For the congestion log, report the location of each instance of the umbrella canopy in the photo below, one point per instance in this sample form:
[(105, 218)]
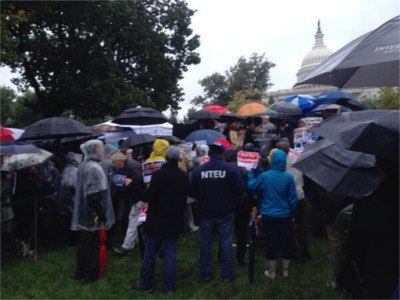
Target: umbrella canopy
[(81, 138), (283, 108), (304, 102), (230, 117), (204, 115), (370, 131), (140, 116), (138, 139), (10, 134), (251, 109), (171, 139), (370, 60), (330, 108), (17, 147), (204, 136), (332, 96), (22, 161), (53, 128), (340, 172), (218, 109)]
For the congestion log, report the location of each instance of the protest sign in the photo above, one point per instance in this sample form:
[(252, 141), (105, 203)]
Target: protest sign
[(247, 159), (150, 167)]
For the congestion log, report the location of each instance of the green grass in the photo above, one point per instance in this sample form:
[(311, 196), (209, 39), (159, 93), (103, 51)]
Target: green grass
[(51, 277)]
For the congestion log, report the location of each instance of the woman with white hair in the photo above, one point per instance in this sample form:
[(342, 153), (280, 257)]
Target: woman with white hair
[(92, 208)]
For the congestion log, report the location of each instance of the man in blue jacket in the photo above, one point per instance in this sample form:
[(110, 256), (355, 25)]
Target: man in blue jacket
[(278, 208), (216, 185)]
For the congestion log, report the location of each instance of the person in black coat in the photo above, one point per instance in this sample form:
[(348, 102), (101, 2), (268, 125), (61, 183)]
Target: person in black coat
[(166, 196)]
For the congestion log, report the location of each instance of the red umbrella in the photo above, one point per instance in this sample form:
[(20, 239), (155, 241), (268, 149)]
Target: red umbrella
[(218, 109), (10, 134), (102, 252)]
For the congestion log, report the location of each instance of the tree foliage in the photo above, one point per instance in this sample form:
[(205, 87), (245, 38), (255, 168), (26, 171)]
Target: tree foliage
[(190, 112), (247, 74), (389, 98), (97, 58), (7, 97), (243, 97)]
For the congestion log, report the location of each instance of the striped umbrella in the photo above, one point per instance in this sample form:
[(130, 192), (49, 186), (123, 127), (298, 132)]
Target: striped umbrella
[(305, 102)]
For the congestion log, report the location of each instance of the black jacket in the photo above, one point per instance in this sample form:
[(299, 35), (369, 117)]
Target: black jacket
[(166, 196)]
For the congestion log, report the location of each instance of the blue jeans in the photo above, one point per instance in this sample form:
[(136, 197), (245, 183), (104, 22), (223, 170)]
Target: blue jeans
[(223, 226), (153, 244), (278, 232)]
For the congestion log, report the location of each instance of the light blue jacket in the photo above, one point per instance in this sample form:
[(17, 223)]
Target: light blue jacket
[(279, 198)]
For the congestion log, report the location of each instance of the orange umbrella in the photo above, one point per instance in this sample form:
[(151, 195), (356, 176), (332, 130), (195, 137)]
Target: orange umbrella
[(251, 109)]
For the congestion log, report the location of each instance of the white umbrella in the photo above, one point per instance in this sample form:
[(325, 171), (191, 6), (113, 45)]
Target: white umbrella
[(25, 160)]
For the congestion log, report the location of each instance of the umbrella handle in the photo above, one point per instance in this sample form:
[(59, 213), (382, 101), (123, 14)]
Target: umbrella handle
[(254, 213), (102, 223)]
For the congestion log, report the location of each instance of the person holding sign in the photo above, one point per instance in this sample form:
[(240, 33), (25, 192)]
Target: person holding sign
[(166, 196)]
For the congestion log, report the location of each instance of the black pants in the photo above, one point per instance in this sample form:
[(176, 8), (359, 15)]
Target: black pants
[(302, 227), (87, 256), (242, 217)]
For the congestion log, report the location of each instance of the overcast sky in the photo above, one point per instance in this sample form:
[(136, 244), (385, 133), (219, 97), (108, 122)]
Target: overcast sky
[(284, 30)]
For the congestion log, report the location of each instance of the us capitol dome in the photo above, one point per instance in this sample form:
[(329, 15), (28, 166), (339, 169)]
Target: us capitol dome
[(316, 56), (311, 60)]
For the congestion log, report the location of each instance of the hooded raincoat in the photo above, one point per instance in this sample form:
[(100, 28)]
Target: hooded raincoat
[(156, 159), (92, 195), (279, 198)]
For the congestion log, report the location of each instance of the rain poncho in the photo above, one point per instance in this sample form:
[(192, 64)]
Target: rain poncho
[(91, 181), (68, 184), (201, 151)]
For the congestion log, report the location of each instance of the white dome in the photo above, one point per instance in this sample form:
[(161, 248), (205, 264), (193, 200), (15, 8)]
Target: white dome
[(316, 56)]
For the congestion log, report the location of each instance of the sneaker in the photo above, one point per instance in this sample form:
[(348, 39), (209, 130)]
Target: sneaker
[(141, 288), (285, 273), (270, 275), (123, 251)]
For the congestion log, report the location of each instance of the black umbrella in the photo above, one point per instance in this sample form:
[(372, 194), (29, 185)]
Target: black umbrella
[(80, 138), (369, 131), (54, 128), (17, 147), (230, 117), (204, 115), (140, 116), (339, 97), (252, 244), (138, 139), (339, 171), (370, 60), (171, 139)]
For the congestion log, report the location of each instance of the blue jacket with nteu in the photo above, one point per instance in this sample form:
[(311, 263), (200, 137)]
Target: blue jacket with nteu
[(279, 198)]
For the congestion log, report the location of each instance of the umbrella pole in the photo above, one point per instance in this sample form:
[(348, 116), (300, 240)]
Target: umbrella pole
[(35, 229)]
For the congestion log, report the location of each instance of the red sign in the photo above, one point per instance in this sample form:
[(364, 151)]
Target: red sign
[(247, 159)]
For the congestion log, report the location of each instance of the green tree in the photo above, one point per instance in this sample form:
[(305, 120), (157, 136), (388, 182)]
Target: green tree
[(21, 113), (7, 96), (271, 100), (389, 98), (370, 103), (243, 97), (173, 117), (252, 73), (190, 112), (97, 58)]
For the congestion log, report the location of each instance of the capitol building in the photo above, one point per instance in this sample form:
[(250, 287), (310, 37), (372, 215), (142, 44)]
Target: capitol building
[(312, 59)]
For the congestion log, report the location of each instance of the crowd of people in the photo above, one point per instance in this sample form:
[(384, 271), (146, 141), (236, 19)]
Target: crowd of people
[(180, 191)]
